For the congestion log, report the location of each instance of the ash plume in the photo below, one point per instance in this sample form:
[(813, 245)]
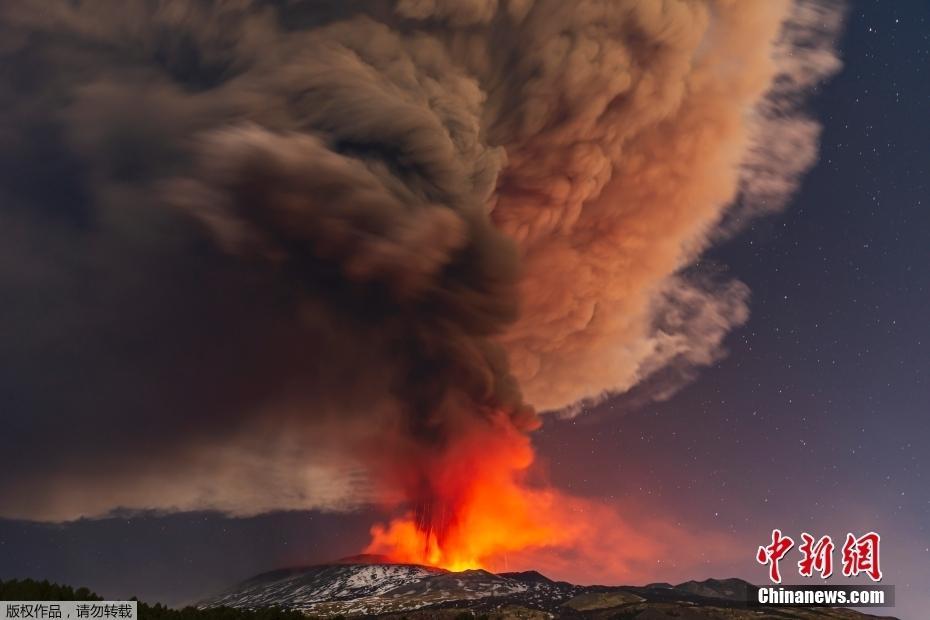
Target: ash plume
[(263, 255)]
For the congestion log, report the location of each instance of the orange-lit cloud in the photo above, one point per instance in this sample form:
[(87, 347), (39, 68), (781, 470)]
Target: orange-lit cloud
[(283, 258)]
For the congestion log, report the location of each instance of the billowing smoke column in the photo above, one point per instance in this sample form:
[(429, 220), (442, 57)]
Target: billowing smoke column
[(291, 255)]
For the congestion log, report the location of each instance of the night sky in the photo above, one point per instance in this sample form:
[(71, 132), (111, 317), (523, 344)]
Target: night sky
[(817, 420)]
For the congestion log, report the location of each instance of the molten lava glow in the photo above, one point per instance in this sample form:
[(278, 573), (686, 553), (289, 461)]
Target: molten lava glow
[(474, 507), (494, 516)]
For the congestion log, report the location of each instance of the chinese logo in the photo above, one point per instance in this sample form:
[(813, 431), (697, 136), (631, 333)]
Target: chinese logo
[(859, 555)]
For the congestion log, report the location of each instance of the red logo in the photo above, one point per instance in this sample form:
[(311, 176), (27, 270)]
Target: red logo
[(772, 554), (860, 555), (817, 556)]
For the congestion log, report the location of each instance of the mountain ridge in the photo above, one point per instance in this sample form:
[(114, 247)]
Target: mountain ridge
[(373, 589)]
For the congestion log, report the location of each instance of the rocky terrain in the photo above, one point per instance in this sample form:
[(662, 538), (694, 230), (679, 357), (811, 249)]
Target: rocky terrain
[(367, 587)]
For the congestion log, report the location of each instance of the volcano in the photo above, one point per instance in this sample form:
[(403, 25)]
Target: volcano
[(367, 586)]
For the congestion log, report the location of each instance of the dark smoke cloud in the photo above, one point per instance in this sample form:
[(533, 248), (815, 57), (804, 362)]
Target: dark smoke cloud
[(252, 252)]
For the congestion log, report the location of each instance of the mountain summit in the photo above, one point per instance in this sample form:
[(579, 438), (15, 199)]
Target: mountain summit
[(369, 587)]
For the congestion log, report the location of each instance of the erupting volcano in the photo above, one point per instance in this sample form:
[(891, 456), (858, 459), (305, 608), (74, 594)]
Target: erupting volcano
[(473, 505), (381, 236)]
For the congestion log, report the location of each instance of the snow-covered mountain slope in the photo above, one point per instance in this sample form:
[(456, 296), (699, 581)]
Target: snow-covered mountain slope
[(304, 588), (347, 588), (358, 587)]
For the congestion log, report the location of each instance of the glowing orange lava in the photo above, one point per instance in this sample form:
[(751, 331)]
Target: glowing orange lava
[(476, 508)]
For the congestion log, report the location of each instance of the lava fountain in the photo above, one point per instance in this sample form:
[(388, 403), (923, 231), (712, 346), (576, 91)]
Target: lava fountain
[(472, 505), (479, 502)]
